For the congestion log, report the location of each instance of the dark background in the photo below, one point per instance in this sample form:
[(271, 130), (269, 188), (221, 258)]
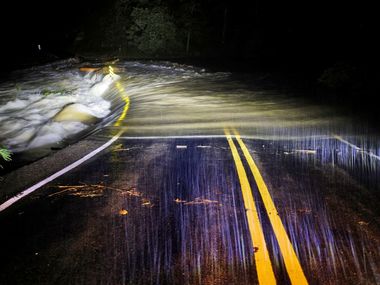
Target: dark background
[(329, 45), (296, 31)]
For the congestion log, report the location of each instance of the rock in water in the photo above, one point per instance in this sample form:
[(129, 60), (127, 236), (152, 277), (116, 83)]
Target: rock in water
[(76, 113)]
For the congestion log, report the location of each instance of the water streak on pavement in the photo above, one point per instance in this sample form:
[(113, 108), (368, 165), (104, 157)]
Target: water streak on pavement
[(164, 204)]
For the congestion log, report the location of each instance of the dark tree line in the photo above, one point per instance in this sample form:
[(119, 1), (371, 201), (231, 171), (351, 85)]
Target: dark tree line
[(303, 31), (320, 32), (164, 28)]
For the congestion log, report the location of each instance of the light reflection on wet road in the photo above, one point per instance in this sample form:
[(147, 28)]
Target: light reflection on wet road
[(170, 210), (185, 220)]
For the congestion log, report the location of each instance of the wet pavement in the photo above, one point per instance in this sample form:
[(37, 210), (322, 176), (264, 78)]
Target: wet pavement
[(171, 211), (181, 198)]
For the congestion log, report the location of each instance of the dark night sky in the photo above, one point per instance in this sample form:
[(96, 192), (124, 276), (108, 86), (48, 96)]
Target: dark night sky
[(308, 30), (47, 20)]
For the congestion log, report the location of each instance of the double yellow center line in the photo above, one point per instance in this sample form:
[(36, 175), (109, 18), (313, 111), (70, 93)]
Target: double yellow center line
[(262, 259)]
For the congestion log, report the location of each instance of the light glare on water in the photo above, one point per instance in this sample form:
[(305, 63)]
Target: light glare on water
[(48, 104)]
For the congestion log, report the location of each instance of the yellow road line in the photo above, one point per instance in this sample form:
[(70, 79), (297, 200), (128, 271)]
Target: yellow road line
[(126, 106), (292, 264), (262, 258)]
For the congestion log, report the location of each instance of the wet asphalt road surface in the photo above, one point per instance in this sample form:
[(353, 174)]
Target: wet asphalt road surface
[(171, 211)]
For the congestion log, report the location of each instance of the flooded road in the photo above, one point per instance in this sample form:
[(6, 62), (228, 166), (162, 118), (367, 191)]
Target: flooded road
[(210, 178)]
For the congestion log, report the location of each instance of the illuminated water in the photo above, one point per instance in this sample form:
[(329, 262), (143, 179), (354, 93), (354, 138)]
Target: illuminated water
[(176, 100), (166, 100), (172, 100), (42, 106)]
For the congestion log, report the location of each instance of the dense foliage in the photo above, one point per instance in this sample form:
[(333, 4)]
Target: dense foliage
[(152, 30)]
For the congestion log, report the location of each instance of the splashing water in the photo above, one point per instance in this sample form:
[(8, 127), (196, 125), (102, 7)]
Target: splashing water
[(48, 105)]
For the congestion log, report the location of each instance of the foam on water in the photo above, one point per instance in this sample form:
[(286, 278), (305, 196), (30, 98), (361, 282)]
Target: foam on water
[(46, 105)]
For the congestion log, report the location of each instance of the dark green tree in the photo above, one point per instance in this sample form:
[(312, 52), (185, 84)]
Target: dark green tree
[(152, 31)]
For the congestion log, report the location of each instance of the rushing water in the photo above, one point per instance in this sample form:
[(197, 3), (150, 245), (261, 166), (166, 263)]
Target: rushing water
[(42, 106), (175, 100), (166, 98), (45, 107)]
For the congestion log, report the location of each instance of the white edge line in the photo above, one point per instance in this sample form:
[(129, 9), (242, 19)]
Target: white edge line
[(43, 182), (33, 188), (215, 136), (171, 137), (370, 154)]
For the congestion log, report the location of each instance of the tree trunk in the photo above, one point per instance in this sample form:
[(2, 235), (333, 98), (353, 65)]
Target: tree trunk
[(188, 42)]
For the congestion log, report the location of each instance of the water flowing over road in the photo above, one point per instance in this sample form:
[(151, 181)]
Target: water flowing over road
[(164, 173)]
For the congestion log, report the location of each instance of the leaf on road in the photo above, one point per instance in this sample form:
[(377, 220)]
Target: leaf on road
[(123, 212)]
